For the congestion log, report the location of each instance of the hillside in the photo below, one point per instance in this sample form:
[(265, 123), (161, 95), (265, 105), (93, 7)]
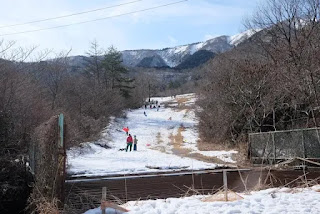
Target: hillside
[(175, 57)]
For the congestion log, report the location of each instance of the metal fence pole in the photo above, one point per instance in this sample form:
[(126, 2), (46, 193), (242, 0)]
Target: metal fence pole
[(225, 185), (104, 198), (61, 156)]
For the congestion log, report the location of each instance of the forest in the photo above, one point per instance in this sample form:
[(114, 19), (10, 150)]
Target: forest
[(268, 82)]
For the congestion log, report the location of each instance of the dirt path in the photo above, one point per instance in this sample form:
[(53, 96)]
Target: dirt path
[(177, 140)]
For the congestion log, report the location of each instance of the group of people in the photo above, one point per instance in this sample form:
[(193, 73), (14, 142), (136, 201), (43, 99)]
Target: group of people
[(131, 141), (153, 105)]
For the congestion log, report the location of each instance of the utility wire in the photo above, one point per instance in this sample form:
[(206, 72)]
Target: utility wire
[(73, 14), (94, 20)]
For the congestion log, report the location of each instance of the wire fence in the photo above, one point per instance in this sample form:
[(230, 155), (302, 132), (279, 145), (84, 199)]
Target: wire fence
[(85, 195), (280, 145)]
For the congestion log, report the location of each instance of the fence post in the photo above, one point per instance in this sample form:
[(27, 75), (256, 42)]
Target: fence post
[(61, 156), (303, 145), (104, 198), (61, 135), (274, 148), (225, 184)]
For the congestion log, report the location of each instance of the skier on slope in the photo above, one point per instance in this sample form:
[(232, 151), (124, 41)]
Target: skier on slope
[(129, 143), (135, 141)]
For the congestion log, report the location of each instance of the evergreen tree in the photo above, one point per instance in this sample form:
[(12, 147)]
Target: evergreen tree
[(115, 74)]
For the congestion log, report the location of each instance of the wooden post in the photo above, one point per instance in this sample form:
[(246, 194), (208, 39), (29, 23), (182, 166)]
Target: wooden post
[(104, 198), (225, 184)]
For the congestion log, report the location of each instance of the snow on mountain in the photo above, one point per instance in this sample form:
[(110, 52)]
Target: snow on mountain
[(176, 55), (172, 57), (238, 38)]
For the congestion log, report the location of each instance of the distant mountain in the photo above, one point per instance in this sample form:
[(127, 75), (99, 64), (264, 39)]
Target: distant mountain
[(176, 57), (196, 59), (152, 62)]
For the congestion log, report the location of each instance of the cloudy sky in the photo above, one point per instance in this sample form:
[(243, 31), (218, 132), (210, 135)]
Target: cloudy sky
[(177, 24)]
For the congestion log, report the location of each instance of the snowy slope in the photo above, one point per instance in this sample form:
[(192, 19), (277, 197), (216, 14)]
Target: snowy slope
[(174, 56), (270, 201), (166, 140), (238, 38)]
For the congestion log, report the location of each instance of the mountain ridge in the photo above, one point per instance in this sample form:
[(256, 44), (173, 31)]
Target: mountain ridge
[(172, 57)]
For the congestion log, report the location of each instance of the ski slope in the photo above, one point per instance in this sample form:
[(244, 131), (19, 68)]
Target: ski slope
[(167, 141)]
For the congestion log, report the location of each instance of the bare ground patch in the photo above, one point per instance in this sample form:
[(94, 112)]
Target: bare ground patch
[(179, 104), (207, 159), (177, 142), (159, 146)]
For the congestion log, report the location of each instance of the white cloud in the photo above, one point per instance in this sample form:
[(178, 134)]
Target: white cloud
[(172, 40)]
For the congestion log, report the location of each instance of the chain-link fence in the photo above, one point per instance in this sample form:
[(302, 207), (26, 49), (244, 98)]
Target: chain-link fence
[(280, 145)]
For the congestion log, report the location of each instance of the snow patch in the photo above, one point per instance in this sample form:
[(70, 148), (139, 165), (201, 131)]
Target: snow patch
[(238, 38), (270, 201)]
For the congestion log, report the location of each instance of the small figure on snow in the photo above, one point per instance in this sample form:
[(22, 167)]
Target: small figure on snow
[(145, 114), (129, 143), (126, 130), (135, 141)]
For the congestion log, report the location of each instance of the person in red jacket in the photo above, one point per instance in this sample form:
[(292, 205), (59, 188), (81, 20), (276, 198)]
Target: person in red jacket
[(129, 143)]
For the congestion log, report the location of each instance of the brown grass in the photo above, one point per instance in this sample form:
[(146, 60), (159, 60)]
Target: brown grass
[(177, 142), (182, 100)]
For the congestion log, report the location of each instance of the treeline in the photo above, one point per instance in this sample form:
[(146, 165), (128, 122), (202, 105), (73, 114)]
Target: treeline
[(31, 92), (34, 90), (270, 82)]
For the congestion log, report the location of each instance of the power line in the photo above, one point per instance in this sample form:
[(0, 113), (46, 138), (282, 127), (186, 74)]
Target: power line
[(73, 14), (94, 20)]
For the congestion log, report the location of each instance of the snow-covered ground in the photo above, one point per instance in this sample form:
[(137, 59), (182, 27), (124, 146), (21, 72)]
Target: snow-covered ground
[(270, 201), (167, 140)]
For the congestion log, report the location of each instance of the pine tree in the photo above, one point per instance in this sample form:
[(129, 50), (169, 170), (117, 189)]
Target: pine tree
[(115, 74)]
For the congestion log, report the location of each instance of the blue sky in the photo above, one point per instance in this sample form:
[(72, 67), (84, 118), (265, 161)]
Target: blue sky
[(183, 23)]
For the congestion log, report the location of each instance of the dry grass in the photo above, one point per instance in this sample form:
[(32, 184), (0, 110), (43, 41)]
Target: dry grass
[(182, 100), (205, 146), (42, 205), (177, 142), (220, 196), (207, 159)]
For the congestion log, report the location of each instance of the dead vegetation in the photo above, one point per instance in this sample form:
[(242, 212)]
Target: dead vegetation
[(269, 82)]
